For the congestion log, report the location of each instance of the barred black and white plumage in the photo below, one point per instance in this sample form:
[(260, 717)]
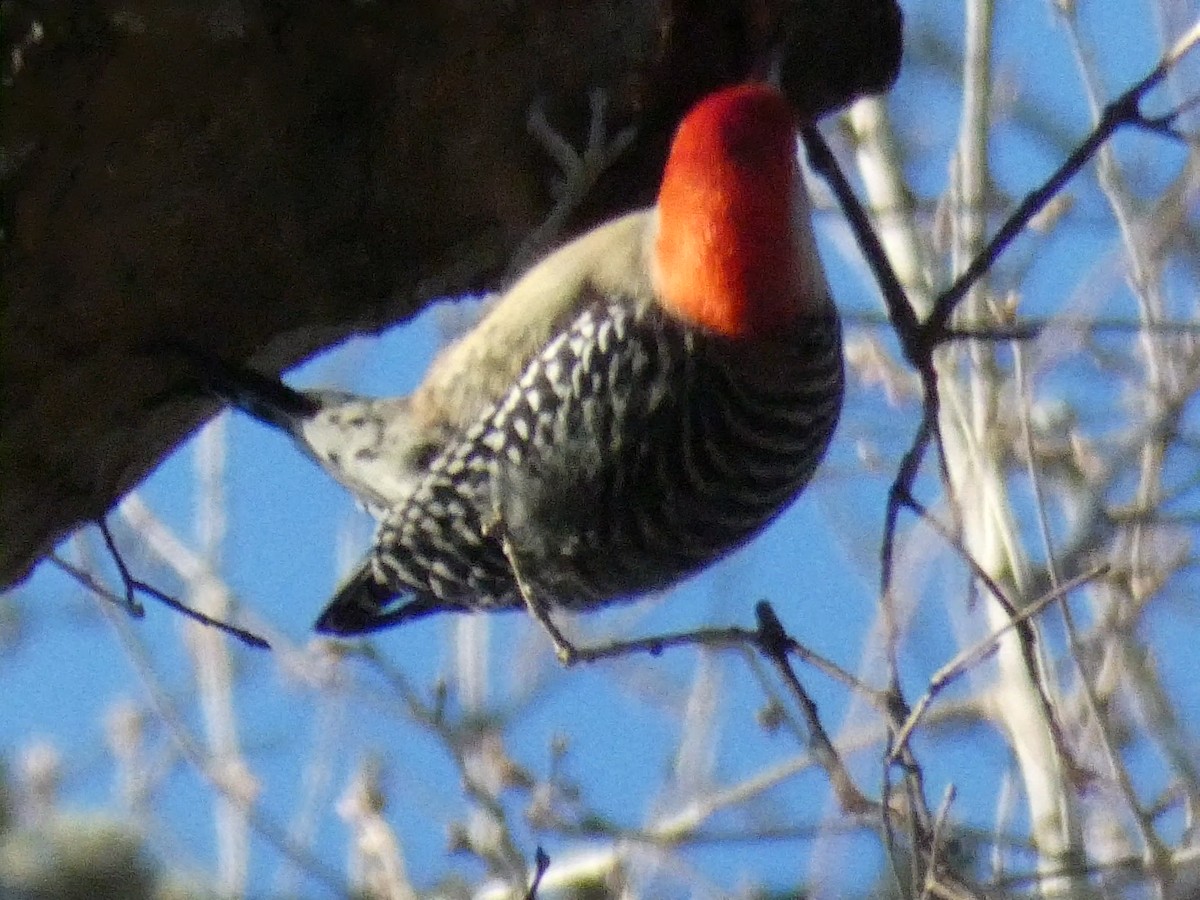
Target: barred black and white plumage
[(630, 453)]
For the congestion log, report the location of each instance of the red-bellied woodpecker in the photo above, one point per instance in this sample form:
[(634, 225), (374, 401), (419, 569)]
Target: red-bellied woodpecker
[(638, 404)]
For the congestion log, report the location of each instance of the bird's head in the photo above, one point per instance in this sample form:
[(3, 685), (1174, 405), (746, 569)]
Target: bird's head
[(734, 251)]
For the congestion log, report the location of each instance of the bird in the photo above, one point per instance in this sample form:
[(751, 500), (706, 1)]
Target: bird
[(637, 405)]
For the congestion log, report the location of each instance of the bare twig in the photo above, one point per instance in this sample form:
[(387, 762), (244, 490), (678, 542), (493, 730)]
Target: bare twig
[(210, 769), (1124, 111), (972, 656), (541, 863), (132, 586)]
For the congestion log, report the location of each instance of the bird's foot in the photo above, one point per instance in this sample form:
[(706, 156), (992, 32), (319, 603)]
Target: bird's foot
[(564, 650)]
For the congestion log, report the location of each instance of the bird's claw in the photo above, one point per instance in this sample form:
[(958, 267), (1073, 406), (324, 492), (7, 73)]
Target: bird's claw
[(566, 653)]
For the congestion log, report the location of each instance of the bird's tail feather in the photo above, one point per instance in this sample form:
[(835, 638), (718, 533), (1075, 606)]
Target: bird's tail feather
[(362, 605), (267, 399)]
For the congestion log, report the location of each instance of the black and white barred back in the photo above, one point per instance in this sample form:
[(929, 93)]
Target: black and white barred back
[(630, 453)]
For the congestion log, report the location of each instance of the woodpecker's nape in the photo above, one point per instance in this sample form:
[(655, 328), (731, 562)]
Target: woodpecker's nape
[(640, 403)]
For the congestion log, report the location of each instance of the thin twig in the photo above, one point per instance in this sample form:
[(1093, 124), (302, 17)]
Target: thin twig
[(775, 643), (1123, 111), (900, 310), (972, 656), (133, 585), (541, 863), (1032, 327), (458, 739), (209, 769), (935, 842)]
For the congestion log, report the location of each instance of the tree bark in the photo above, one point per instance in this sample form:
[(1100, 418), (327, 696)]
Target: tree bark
[(264, 179)]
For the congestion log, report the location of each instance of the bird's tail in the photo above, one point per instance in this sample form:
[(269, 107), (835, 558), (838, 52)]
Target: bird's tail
[(363, 604), (267, 399)]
